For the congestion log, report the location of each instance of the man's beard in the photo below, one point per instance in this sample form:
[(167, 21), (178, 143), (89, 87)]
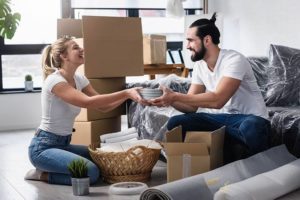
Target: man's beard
[(199, 55)]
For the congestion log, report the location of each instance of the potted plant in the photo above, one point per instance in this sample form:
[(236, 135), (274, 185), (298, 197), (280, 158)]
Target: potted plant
[(80, 180), (9, 21), (28, 83)]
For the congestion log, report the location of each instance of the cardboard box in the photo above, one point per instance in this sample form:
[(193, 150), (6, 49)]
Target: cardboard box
[(113, 45), (72, 27), (200, 152), (155, 48), (87, 133), (104, 86)]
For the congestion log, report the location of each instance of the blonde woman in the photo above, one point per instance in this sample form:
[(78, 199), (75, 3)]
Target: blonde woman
[(64, 93)]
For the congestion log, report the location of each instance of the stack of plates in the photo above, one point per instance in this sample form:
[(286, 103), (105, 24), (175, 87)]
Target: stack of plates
[(126, 190), (148, 93)]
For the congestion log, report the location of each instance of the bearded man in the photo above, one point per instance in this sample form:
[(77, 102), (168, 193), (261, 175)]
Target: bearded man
[(223, 92)]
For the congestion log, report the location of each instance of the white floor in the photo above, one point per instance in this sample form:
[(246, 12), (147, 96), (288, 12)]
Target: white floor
[(14, 163)]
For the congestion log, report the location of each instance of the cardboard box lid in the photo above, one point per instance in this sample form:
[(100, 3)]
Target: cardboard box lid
[(72, 27), (174, 135)]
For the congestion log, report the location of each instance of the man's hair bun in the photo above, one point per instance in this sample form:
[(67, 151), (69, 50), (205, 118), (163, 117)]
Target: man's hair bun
[(213, 18)]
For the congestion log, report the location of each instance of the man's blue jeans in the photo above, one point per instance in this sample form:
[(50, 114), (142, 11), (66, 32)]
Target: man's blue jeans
[(250, 131), (52, 153)]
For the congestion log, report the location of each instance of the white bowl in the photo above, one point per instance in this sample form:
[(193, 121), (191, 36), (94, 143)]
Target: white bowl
[(149, 93)]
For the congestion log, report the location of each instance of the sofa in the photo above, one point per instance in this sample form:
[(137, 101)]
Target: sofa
[(278, 77)]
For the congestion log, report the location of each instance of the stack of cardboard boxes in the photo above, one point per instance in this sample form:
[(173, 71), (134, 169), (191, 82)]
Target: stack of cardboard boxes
[(113, 50)]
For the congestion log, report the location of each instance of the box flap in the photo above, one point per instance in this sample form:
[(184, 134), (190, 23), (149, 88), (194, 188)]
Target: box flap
[(216, 149), (208, 137), (72, 27), (174, 135), (175, 148), (198, 136), (214, 141)]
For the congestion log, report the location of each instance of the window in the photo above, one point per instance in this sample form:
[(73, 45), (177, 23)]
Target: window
[(13, 74), (78, 13), (22, 54)]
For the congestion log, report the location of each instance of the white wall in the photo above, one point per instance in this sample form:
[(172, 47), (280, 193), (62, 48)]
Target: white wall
[(20, 111), (250, 26)]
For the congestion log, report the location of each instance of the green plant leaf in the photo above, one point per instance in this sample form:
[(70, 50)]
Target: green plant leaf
[(78, 168), (9, 21)]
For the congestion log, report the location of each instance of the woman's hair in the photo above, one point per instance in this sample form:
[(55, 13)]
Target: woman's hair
[(207, 27), (51, 59)]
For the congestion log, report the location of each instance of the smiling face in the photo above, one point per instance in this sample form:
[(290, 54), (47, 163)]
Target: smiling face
[(195, 45), (74, 53)]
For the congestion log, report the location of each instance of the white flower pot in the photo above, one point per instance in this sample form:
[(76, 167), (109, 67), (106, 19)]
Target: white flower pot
[(28, 86), (81, 186)]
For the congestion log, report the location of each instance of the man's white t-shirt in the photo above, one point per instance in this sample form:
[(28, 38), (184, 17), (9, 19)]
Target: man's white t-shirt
[(247, 99), (57, 115)]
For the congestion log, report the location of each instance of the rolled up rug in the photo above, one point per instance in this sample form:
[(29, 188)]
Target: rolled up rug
[(265, 186), (186, 189), (204, 186)]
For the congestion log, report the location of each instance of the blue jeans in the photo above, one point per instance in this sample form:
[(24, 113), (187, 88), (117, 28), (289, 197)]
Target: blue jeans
[(250, 131), (52, 153)]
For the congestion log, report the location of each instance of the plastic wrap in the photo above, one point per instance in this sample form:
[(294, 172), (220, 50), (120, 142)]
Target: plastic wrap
[(284, 77), (285, 123), (260, 69), (151, 121)]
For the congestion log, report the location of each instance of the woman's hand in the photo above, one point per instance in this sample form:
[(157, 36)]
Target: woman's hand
[(165, 100), (135, 96)]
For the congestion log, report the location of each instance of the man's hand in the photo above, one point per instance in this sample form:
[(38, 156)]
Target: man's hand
[(165, 100)]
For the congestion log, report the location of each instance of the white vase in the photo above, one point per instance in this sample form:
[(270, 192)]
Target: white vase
[(28, 86), (81, 186)]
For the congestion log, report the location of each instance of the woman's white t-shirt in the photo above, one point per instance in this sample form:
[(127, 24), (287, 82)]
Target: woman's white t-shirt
[(57, 115), (247, 99)]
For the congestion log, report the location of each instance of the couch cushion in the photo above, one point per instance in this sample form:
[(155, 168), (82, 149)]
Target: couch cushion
[(284, 76)]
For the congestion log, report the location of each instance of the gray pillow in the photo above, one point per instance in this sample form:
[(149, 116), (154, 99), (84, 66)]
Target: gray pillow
[(283, 88)]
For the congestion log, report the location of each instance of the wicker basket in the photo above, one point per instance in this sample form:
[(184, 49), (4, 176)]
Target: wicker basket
[(133, 165)]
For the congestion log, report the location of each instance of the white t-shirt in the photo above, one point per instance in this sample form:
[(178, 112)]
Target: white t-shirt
[(57, 115), (247, 99)]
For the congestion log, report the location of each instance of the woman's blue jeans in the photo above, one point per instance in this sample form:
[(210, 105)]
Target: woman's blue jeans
[(250, 131), (52, 153)]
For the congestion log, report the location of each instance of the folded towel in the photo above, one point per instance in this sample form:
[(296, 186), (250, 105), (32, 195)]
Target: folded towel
[(124, 146), (130, 140), (117, 134), (121, 138)]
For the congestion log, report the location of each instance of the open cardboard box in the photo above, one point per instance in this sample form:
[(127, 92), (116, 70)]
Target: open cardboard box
[(200, 152), (113, 45)]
